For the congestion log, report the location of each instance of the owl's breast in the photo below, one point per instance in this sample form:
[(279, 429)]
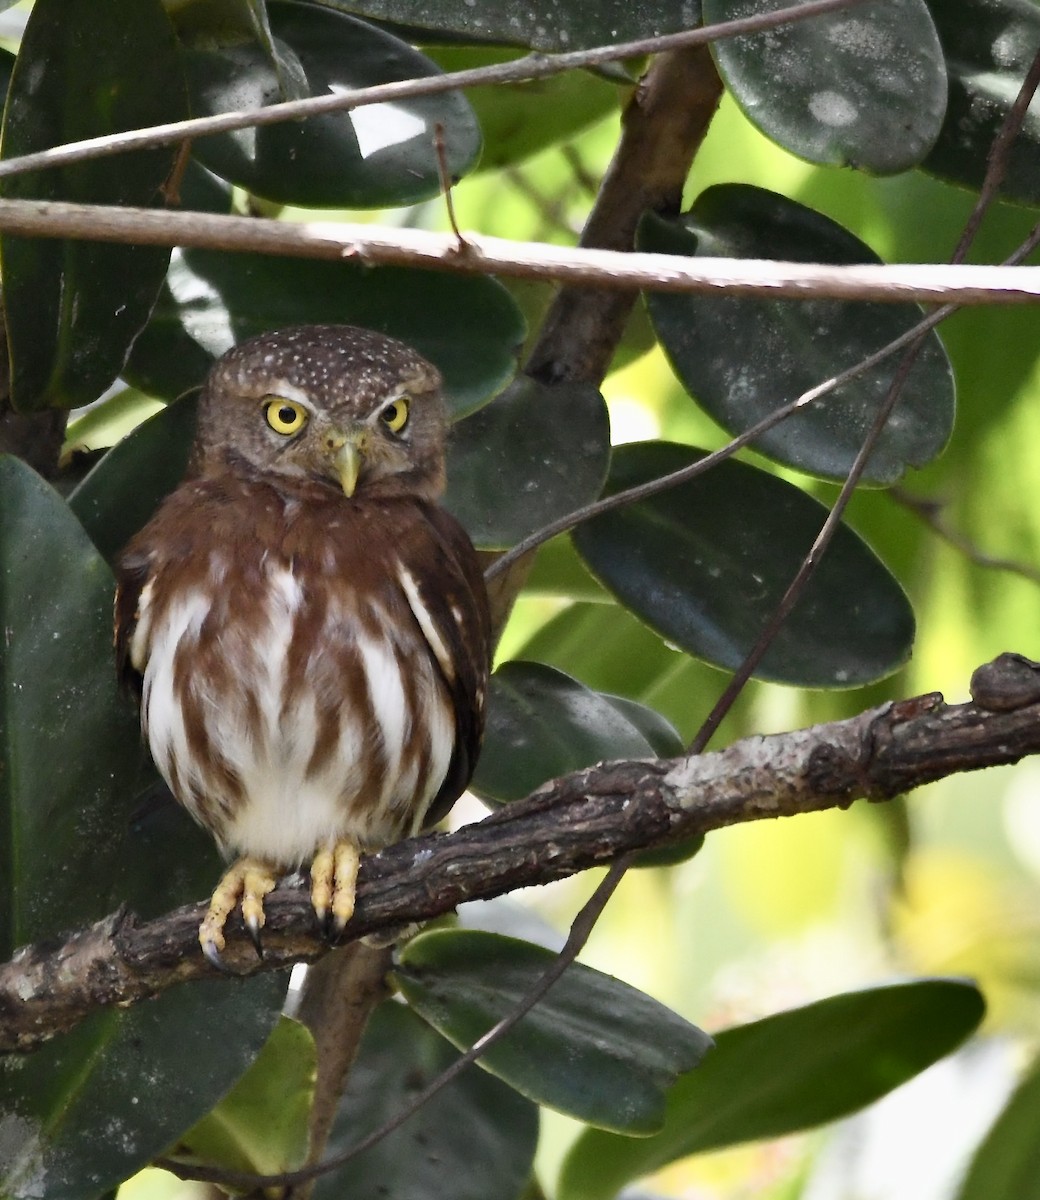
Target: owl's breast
[(293, 699)]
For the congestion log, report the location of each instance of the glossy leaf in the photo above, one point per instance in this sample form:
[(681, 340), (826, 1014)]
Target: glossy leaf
[(124, 489), (705, 564), (542, 24), (862, 88), (543, 724), (989, 46), (594, 1048), (533, 454), (743, 358), (475, 1141), (93, 1107), (1006, 1165), (372, 156), (786, 1073), (520, 119), (68, 741), (73, 308), (469, 327), (261, 1124)]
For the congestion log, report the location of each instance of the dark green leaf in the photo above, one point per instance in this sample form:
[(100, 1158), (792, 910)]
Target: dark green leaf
[(469, 327), (660, 733), (542, 24), (372, 156), (543, 724), (989, 45), (789, 1072), (68, 740), (261, 1124), (78, 1115), (123, 490), (863, 88), (475, 1141), (1006, 1166), (594, 1047), (533, 454), (93, 1107), (73, 308), (744, 358), (706, 563), (519, 119), (6, 63)]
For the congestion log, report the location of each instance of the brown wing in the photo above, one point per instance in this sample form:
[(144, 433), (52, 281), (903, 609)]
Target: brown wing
[(452, 596), (131, 577)]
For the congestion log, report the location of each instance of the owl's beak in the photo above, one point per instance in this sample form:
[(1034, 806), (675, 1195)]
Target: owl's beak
[(346, 452)]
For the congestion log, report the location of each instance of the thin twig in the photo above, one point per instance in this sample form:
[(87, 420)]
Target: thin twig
[(522, 70), (930, 512), (996, 168)]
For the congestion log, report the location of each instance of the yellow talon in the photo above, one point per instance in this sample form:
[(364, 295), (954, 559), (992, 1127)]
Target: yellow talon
[(334, 872), (248, 880)]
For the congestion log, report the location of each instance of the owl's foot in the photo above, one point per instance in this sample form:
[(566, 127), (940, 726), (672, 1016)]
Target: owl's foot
[(248, 880), (334, 872)]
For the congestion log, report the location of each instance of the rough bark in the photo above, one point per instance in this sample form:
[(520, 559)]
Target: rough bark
[(579, 821)]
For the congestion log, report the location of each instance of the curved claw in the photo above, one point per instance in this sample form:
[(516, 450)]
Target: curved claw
[(334, 872), (248, 880), (212, 953), (253, 926)]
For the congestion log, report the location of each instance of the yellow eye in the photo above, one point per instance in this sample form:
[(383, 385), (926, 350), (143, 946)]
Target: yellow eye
[(395, 415), (285, 416)]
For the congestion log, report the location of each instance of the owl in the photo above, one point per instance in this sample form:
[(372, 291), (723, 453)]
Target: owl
[(306, 628)]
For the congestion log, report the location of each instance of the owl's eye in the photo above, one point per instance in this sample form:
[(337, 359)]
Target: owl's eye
[(285, 416), (395, 415)]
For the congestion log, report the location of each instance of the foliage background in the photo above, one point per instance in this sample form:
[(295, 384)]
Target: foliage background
[(773, 916)]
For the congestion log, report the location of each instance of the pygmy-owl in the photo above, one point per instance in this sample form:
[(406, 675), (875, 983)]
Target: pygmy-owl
[(307, 628)]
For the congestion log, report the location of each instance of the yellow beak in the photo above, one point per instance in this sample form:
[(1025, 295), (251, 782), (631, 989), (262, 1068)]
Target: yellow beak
[(346, 453)]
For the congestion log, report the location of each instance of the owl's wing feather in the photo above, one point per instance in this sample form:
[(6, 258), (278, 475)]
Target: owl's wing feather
[(132, 577), (449, 601)]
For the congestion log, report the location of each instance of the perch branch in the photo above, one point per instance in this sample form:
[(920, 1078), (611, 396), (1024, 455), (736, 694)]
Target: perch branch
[(585, 819)]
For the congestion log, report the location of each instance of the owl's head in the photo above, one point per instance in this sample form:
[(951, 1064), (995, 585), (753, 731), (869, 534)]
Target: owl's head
[(345, 406)]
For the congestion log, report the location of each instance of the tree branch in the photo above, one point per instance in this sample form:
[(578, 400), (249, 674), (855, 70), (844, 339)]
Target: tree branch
[(612, 269), (582, 820)]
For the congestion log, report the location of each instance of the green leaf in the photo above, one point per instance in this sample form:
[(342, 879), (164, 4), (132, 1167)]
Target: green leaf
[(124, 489), (1006, 1166), (69, 742), (989, 47), (744, 358), (475, 1141), (76, 1114), (786, 1073), (73, 308), (261, 1125), (594, 1048), (543, 724), (863, 88), (520, 119), (541, 24), (93, 1107), (533, 454), (374, 156), (705, 564), (469, 327)]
